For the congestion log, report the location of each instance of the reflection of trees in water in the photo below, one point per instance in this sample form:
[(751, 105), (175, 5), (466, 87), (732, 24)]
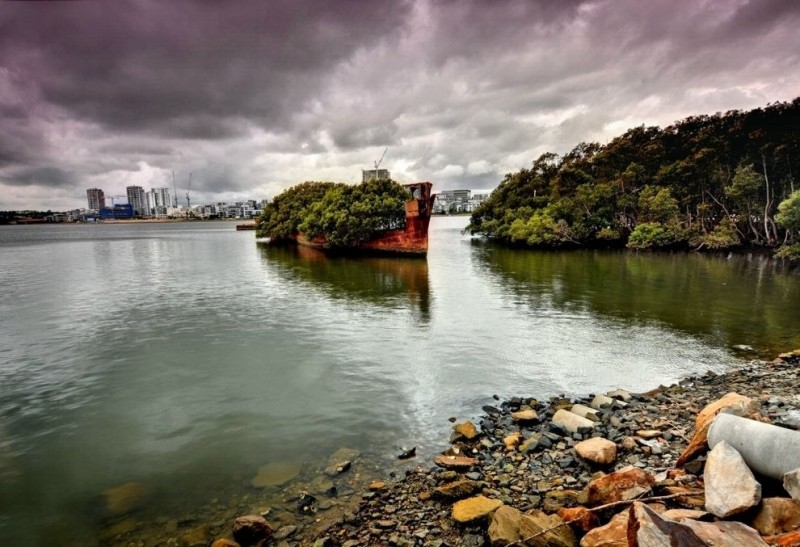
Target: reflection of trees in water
[(379, 281), (739, 300)]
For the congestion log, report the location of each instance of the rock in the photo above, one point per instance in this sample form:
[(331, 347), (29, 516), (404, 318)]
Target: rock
[(648, 433), (377, 485), (125, 498), (601, 401), (725, 534), (679, 514), (613, 534), (620, 394), (792, 539), (571, 422), (597, 450), (512, 441), (458, 489), (525, 416), (504, 526), (532, 443), (466, 430), (455, 462), (475, 508), (626, 484), (284, 532), (579, 518), (777, 516), (224, 542), (731, 402), (251, 530), (730, 486), (791, 483), (585, 412), (646, 528), (406, 454), (532, 526), (691, 497), (276, 474)]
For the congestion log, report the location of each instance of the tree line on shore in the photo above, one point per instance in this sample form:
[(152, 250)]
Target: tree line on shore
[(711, 182)]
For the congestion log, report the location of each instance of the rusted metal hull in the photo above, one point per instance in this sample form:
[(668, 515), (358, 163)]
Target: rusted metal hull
[(410, 241)]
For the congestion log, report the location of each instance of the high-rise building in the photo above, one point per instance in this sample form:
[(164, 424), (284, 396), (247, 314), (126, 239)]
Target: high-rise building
[(369, 174), (158, 201), (137, 199), (96, 198)]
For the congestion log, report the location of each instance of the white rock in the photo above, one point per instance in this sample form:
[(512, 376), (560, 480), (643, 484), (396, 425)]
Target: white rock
[(585, 412), (731, 487), (601, 401), (571, 422)]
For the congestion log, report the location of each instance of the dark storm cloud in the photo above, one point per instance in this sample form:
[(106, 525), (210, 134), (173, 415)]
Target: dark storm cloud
[(252, 97)]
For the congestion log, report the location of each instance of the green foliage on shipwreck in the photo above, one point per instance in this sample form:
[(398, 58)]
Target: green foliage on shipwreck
[(344, 215)]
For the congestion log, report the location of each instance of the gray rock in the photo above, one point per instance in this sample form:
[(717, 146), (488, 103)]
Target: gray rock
[(731, 487)]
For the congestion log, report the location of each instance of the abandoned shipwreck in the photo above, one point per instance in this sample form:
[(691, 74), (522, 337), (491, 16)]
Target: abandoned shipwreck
[(378, 216)]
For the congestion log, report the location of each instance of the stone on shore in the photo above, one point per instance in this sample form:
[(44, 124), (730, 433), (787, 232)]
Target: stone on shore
[(224, 542), (571, 422), (725, 534), (252, 530), (475, 508), (601, 401), (777, 516), (585, 412), (513, 440), (504, 526), (579, 518), (458, 489), (626, 484), (730, 486), (731, 403), (529, 415), (455, 462), (532, 528), (613, 534), (791, 483), (467, 430), (125, 498), (276, 474), (646, 528), (597, 450)]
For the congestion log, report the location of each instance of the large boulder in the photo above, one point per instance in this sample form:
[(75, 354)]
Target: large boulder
[(475, 508), (626, 484), (731, 487), (597, 450), (730, 403)]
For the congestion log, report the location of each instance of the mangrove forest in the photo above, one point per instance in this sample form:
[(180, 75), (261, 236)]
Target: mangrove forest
[(711, 182)]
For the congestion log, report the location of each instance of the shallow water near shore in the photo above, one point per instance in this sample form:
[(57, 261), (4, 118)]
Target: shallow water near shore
[(186, 356)]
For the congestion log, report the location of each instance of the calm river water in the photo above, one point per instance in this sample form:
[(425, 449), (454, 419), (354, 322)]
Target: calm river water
[(185, 356)]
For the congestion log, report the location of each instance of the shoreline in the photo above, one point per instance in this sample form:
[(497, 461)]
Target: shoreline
[(523, 460)]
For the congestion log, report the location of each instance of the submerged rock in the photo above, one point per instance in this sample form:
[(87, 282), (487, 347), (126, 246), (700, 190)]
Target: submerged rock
[(125, 498), (276, 474)]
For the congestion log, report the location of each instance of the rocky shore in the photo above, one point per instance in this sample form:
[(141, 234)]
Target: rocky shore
[(602, 470)]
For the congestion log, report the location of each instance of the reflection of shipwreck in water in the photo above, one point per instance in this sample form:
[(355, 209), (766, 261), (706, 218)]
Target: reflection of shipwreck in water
[(378, 280)]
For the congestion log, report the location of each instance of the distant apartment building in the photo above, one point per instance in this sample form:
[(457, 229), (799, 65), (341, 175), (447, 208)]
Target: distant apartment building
[(380, 174), (138, 200), (158, 201), (96, 198)]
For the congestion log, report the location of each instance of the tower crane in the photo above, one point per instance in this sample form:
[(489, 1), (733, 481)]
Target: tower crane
[(174, 192), (377, 163), (188, 202)]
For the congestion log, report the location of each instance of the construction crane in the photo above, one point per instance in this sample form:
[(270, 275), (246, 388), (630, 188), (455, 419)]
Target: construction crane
[(377, 163), (188, 202), (174, 192)]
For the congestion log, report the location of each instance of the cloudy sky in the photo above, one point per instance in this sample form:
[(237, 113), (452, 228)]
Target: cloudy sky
[(253, 97)]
